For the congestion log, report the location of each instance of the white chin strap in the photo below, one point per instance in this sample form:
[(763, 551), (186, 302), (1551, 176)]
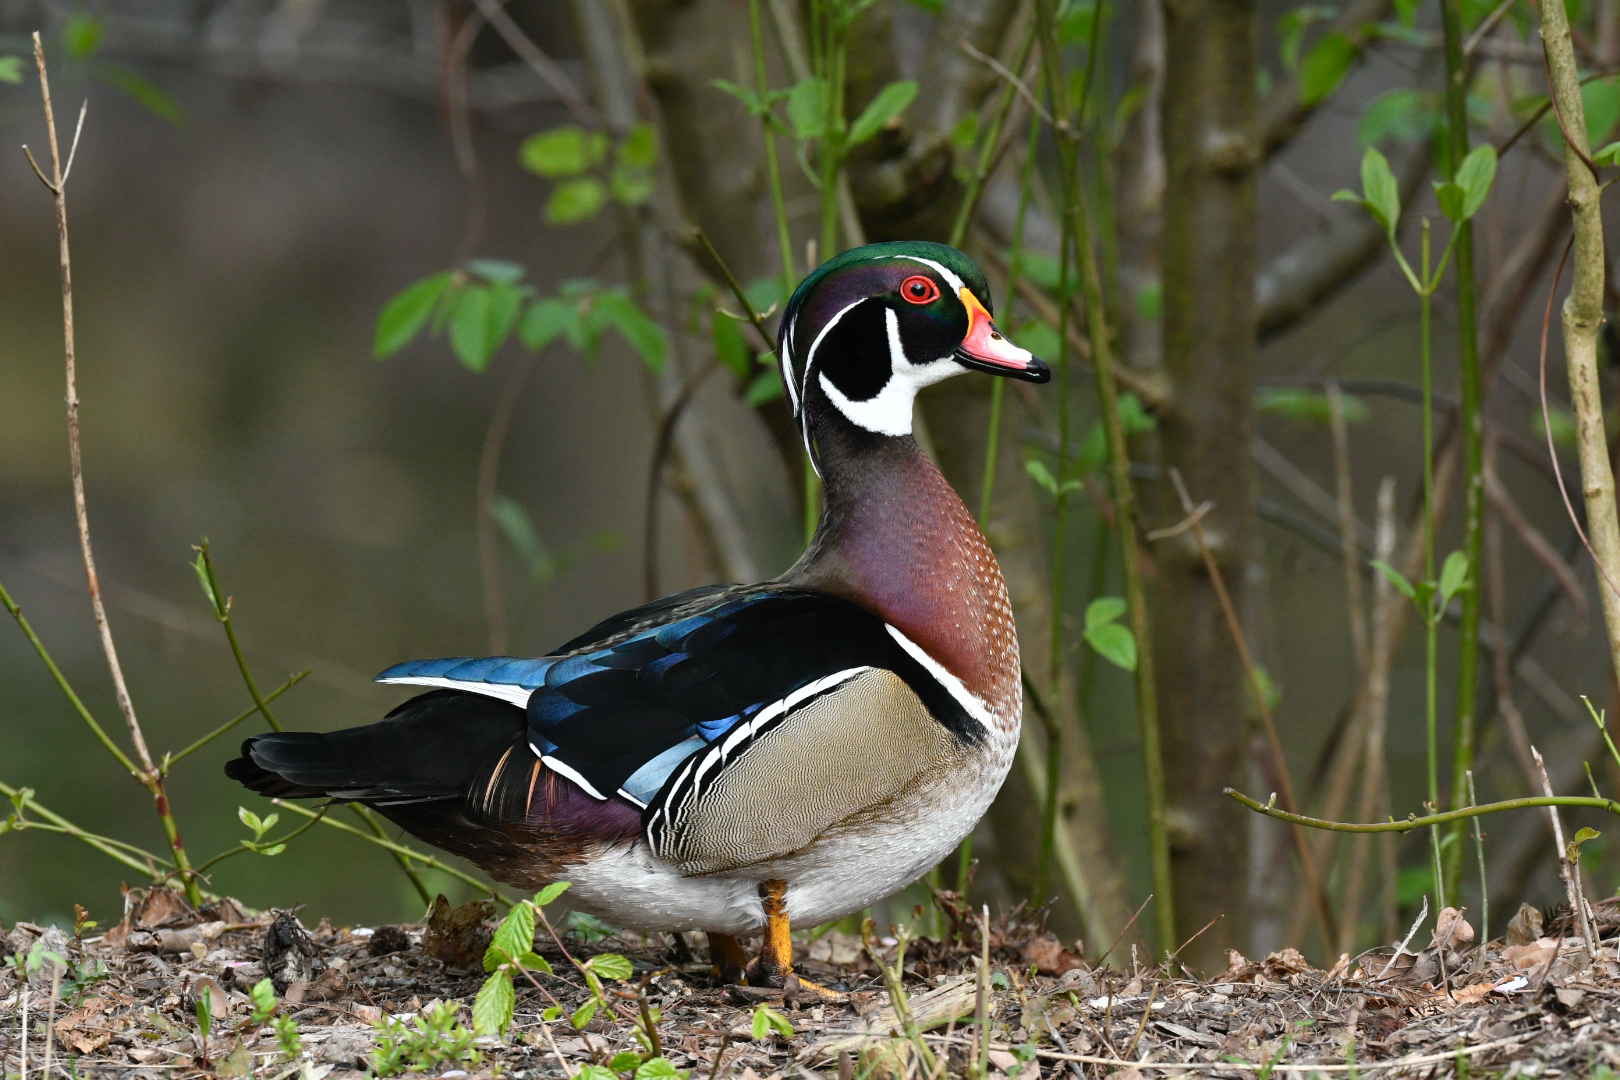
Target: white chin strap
[(890, 411)]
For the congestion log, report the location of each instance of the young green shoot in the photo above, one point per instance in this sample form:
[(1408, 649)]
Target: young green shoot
[(1460, 199)]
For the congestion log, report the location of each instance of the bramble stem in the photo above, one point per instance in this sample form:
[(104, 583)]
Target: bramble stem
[(399, 849), (1430, 621), (148, 774), (1414, 822)]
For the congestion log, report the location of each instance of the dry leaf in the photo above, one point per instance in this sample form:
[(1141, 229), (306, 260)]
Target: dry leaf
[(458, 937)]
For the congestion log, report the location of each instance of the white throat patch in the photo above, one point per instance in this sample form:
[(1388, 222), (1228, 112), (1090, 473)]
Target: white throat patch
[(889, 413)]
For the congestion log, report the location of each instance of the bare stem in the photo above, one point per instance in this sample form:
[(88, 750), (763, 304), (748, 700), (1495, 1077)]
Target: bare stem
[(222, 612), (398, 849), (148, 774), (1257, 687), (171, 760), (1124, 497), (1583, 313), (116, 850), (1415, 822)]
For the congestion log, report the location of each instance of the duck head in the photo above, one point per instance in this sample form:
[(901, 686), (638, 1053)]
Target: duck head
[(872, 326)]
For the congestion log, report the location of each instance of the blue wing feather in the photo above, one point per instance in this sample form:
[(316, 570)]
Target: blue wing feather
[(645, 690)]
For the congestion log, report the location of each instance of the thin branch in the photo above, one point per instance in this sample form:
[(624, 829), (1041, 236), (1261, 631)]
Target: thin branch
[(1414, 822), (1257, 686), (1568, 869), (171, 760), (365, 815), (401, 849), (494, 13), (655, 471), (67, 688), (104, 844), (1012, 81), (222, 612), (73, 151)]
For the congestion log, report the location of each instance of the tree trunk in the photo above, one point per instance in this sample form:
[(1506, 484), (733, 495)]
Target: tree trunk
[(1212, 161)]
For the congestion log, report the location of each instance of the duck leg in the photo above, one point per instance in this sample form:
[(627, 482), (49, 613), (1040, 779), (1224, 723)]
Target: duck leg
[(773, 967), (726, 953)]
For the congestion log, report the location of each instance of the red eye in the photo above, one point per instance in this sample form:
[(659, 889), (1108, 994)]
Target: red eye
[(919, 290)]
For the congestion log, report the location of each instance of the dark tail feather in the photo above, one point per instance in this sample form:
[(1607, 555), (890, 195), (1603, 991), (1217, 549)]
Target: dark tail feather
[(454, 769), (442, 745)]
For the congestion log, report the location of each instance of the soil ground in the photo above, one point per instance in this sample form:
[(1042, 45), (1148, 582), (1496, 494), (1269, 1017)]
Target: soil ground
[(1532, 1004)]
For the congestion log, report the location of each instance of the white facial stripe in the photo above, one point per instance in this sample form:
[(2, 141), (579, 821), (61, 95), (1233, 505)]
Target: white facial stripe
[(964, 697), (890, 412), (955, 282), (786, 360)]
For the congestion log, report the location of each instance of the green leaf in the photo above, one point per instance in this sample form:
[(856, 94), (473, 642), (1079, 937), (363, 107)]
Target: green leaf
[(765, 293), (545, 320), (250, 819), (766, 387), (202, 577), (594, 1072), (1114, 643), (890, 102), (519, 530), (575, 200), (1413, 883), (404, 316), (1562, 422), (767, 1019), (625, 1061), (749, 99), (807, 108), (263, 996), (1380, 193), (1453, 576), (1572, 850), (492, 1008), (1043, 269), (632, 187), (1302, 405), (550, 893), (1042, 475), (1402, 115), (1406, 11), (82, 35), (639, 150), (583, 1014), (481, 318), (1450, 197), (272, 850), (1291, 31), (645, 336), (11, 69), (551, 1012), (1475, 176), (1609, 155), (1601, 98), (1395, 578), (610, 966), (1150, 300), (513, 938), (933, 7), (143, 91), (497, 271), (658, 1069), (1040, 339), (1104, 610), (563, 151), (535, 962), (730, 347), (965, 132), (1324, 67)]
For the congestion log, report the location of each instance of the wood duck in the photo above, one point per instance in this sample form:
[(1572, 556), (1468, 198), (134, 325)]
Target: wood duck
[(736, 758)]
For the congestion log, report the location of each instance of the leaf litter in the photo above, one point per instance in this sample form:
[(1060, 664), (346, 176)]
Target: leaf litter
[(128, 1003)]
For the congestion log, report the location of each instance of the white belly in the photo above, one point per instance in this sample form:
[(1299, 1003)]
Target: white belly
[(841, 872)]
